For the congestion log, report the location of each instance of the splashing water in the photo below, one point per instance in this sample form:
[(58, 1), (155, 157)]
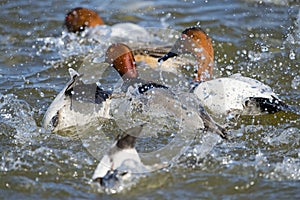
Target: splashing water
[(17, 114)]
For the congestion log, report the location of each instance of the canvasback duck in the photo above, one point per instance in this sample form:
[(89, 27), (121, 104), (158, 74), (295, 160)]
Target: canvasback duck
[(228, 96), (79, 18), (196, 42), (176, 58), (120, 57), (79, 104), (76, 105), (121, 165)]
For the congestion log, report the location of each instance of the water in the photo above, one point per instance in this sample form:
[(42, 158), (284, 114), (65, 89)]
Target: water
[(259, 39)]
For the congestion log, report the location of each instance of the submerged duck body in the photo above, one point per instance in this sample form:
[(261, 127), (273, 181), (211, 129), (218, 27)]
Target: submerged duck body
[(234, 95)]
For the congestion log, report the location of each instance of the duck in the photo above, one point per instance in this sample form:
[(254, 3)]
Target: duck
[(196, 42), (231, 96), (76, 105), (175, 59), (90, 102), (121, 166), (80, 103), (81, 19)]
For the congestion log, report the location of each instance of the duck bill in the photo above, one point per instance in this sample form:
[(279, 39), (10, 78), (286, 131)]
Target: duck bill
[(167, 56)]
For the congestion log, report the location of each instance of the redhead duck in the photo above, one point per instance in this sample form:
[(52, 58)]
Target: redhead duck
[(230, 96)]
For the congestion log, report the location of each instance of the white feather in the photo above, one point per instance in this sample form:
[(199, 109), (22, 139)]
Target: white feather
[(224, 96)]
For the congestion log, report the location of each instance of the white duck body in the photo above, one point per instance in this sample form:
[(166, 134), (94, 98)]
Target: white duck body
[(121, 166), (120, 32), (121, 151), (66, 111), (237, 95)]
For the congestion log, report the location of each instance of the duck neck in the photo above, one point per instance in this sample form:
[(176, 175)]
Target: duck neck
[(205, 66)]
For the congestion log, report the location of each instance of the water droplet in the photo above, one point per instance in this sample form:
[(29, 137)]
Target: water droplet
[(292, 55), (296, 82)]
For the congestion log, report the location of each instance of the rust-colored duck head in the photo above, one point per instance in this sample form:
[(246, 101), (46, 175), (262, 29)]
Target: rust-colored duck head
[(195, 41), (79, 18), (121, 58)]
